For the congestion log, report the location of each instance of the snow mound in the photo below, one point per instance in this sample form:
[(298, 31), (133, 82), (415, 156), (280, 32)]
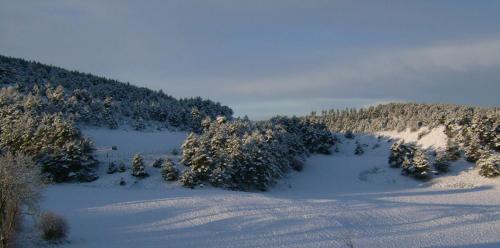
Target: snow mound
[(432, 139)]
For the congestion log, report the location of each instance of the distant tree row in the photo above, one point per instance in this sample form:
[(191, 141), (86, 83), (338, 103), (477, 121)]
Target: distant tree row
[(476, 131), (245, 155), (99, 101)]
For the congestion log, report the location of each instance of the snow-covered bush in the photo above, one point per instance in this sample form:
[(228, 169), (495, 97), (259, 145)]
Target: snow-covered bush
[(359, 149), (489, 165), (138, 168), (112, 168), (168, 171), (158, 163), (52, 226)]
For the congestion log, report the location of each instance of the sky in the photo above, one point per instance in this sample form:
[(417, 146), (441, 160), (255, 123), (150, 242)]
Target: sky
[(266, 57)]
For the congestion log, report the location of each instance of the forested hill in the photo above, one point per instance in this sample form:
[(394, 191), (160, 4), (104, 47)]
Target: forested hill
[(100, 101)]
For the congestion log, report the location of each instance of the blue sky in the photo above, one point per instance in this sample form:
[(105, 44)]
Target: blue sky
[(271, 57)]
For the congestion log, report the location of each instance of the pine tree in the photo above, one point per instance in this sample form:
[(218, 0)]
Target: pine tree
[(489, 165), (442, 164), (168, 171), (189, 179), (420, 167), (396, 156), (138, 169), (472, 149), (108, 115), (452, 150), (188, 149)]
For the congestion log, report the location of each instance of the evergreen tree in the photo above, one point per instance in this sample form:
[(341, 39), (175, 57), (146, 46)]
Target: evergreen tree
[(138, 168), (489, 165), (472, 148), (441, 163), (452, 151), (188, 179), (420, 167), (168, 171)]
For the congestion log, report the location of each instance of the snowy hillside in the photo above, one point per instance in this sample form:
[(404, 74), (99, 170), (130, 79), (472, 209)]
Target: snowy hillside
[(341, 200)]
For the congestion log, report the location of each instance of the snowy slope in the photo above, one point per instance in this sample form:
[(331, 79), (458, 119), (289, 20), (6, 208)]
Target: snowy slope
[(336, 201)]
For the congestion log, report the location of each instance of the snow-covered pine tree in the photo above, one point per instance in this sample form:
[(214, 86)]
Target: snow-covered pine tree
[(441, 163), (168, 171), (138, 168), (489, 165), (420, 167), (472, 148), (396, 156), (108, 114), (188, 149), (188, 179), (452, 150)]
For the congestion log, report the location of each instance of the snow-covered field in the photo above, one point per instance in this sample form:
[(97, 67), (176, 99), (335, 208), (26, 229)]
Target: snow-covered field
[(340, 200)]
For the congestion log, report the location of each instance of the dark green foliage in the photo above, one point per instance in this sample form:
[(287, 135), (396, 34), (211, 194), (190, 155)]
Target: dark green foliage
[(138, 168), (168, 171)]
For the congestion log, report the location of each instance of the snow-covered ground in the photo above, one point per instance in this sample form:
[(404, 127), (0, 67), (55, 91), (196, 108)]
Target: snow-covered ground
[(340, 200)]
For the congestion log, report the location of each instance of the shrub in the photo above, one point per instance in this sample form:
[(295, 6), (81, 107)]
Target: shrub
[(52, 226), (19, 188), (359, 149), (349, 134), (112, 168), (158, 163)]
